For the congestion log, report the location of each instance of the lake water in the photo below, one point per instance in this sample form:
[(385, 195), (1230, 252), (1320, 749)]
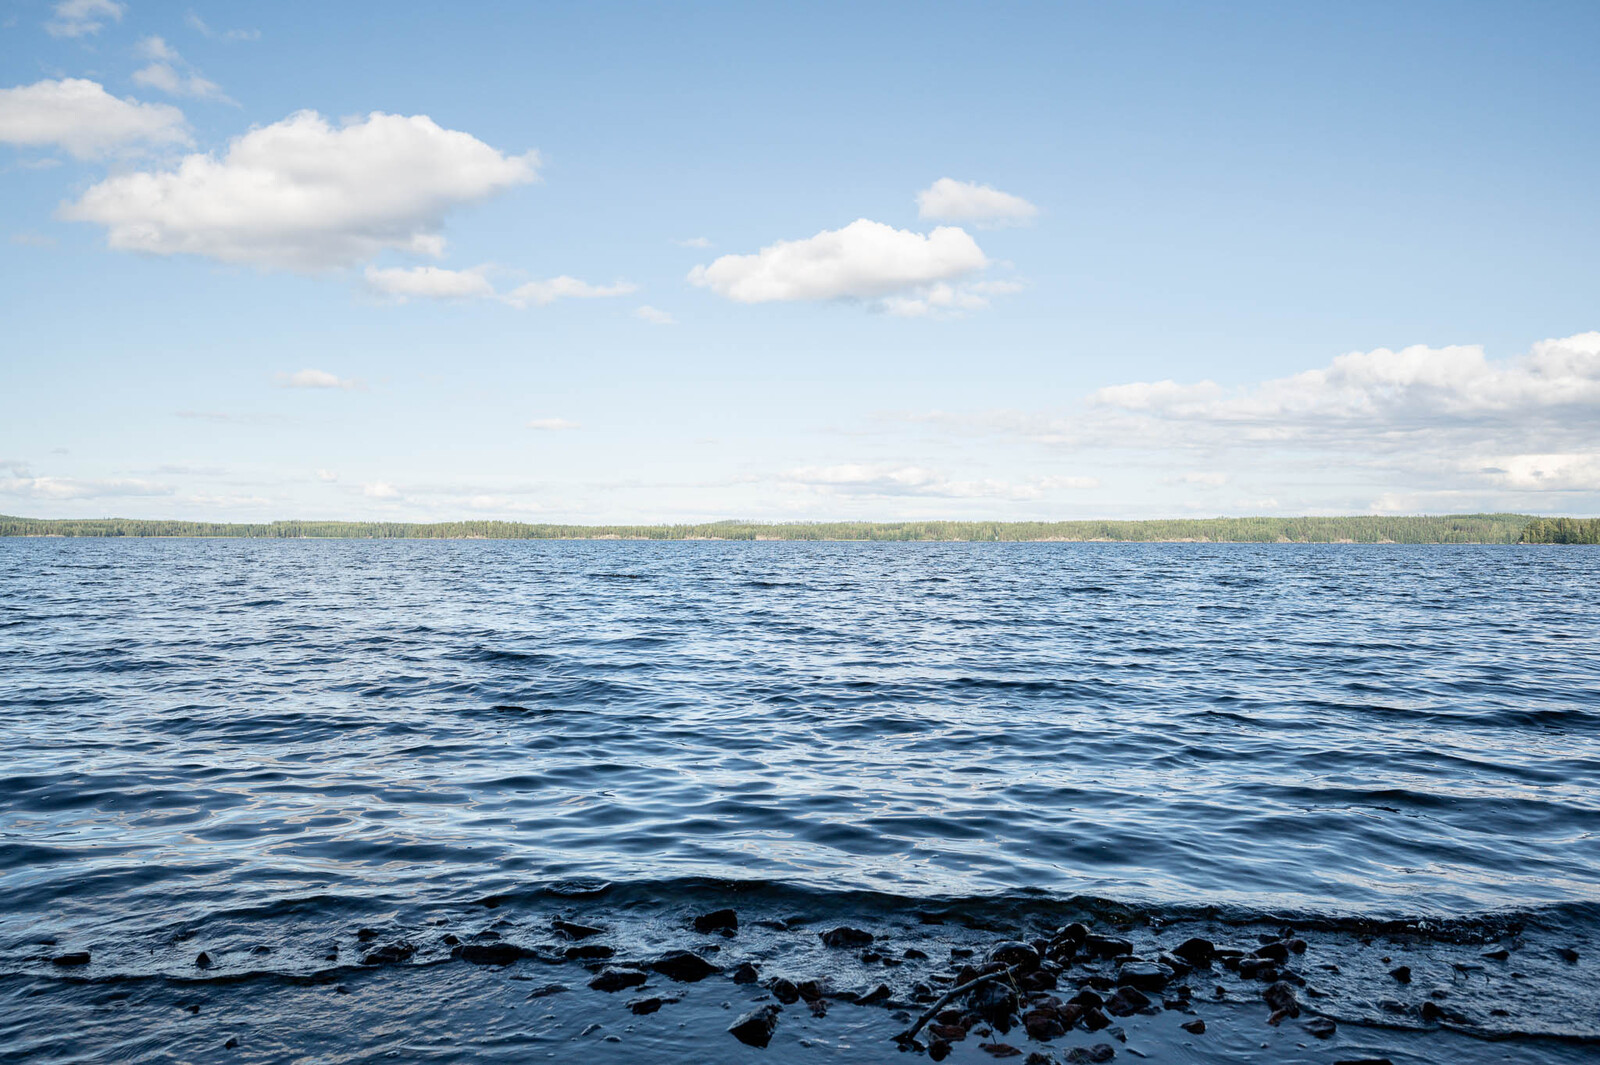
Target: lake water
[(257, 746)]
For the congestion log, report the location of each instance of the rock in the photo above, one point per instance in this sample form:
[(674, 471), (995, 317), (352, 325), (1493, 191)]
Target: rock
[(845, 937), (913, 954), (1038, 980), (501, 953), (642, 1006), (1401, 973), (716, 921), (260, 949), (1280, 996), (1568, 955), (1296, 945), (451, 939), (950, 1033), (811, 990), (1076, 933), (1014, 953), (1497, 955), (1043, 1025), (1257, 969), (995, 1002), (1144, 975), (202, 960), (784, 991), (745, 973), (72, 958), (683, 966), (1277, 952), (547, 990), (1100, 1052), (756, 1027), (1194, 1027), (232, 1043), (938, 1050), (1126, 1002), (616, 979), (589, 952), (575, 931), (881, 993), (1001, 1050), (1039, 1058), (1321, 1027), (1107, 946), (392, 954), (1093, 1020), (1197, 952)]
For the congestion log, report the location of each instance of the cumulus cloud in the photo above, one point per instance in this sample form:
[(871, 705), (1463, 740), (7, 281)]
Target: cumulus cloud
[(949, 200), (887, 479), (305, 195), (84, 120), (80, 18), (552, 425), (316, 379), (654, 315), (543, 293), (864, 260), (429, 282)]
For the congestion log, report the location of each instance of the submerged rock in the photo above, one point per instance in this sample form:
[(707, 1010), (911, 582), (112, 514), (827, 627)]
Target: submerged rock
[(746, 973), (616, 979), (391, 954), (1144, 975), (643, 1006), (575, 931), (844, 936), (716, 921), (1107, 946), (683, 966), (1321, 1027), (756, 1027), (1194, 1027), (202, 960), (71, 959), (1401, 973), (501, 953)]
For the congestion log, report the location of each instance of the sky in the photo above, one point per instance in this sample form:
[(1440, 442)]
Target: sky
[(603, 262)]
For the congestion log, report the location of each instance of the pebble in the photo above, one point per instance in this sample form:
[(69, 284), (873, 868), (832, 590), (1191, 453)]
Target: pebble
[(756, 1027)]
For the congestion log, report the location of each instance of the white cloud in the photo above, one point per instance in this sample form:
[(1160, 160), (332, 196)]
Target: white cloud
[(164, 74), (864, 260), (887, 479), (199, 25), (79, 18), (552, 424), (943, 300), (693, 242), (950, 200), (430, 282), (327, 476), (80, 117), (316, 379), (654, 315), (380, 490), (304, 195), (75, 488), (543, 293)]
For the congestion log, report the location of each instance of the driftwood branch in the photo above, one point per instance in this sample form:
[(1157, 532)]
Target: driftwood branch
[(955, 992)]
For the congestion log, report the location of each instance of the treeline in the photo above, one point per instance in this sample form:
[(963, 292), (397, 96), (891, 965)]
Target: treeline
[(1562, 531), (1364, 529)]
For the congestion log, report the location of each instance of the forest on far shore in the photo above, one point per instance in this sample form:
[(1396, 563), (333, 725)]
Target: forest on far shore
[(1360, 529)]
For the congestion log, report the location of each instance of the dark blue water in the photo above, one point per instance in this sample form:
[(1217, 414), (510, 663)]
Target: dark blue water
[(265, 743)]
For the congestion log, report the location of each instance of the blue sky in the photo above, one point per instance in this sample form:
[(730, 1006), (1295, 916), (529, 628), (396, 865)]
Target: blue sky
[(609, 262)]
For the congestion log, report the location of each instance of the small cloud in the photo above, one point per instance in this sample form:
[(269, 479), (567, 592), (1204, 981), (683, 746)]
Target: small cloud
[(693, 242), (1204, 479), (380, 490), (316, 379), (80, 18), (543, 293), (165, 78), (155, 49), (33, 240), (430, 282), (950, 200), (552, 424), (198, 24), (327, 475), (654, 315)]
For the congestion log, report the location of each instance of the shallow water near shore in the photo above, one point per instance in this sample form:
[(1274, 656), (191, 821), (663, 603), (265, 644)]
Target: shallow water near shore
[(256, 748)]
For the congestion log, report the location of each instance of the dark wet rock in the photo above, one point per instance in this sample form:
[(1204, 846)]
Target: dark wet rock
[(232, 1043), (913, 954), (1076, 932), (260, 949), (1278, 952), (1043, 1025), (870, 957), (575, 931), (1321, 1027), (756, 1027), (1430, 1012), (1097, 1054), (501, 953), (683, 966), (1568, 955), (1280, 997), (451, 940), (881, 993), (1296, 945), (617, 979), (1178, 966), (642, 1006), (811, 990), (1038, 980), (71, 959), (1001, 1050), (962, 952), (1257, 969), (1497, 955), (588, 952), (1194, 1027), (1144, 975), (1106, 946), (844, 936), (488, 935), (1093, 1020), (1039, 1058), (1088, 999), (938, 1050), (546, 990), (717, 921), (745, 973), (202, 960), (364, 934), (1401, 973), (390, 954), (994, 1002), (1014, 953), (1126, 1002), (784, 991)]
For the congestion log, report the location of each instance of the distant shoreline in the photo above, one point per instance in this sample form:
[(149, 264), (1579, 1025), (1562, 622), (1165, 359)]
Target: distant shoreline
[(1353, 529)]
